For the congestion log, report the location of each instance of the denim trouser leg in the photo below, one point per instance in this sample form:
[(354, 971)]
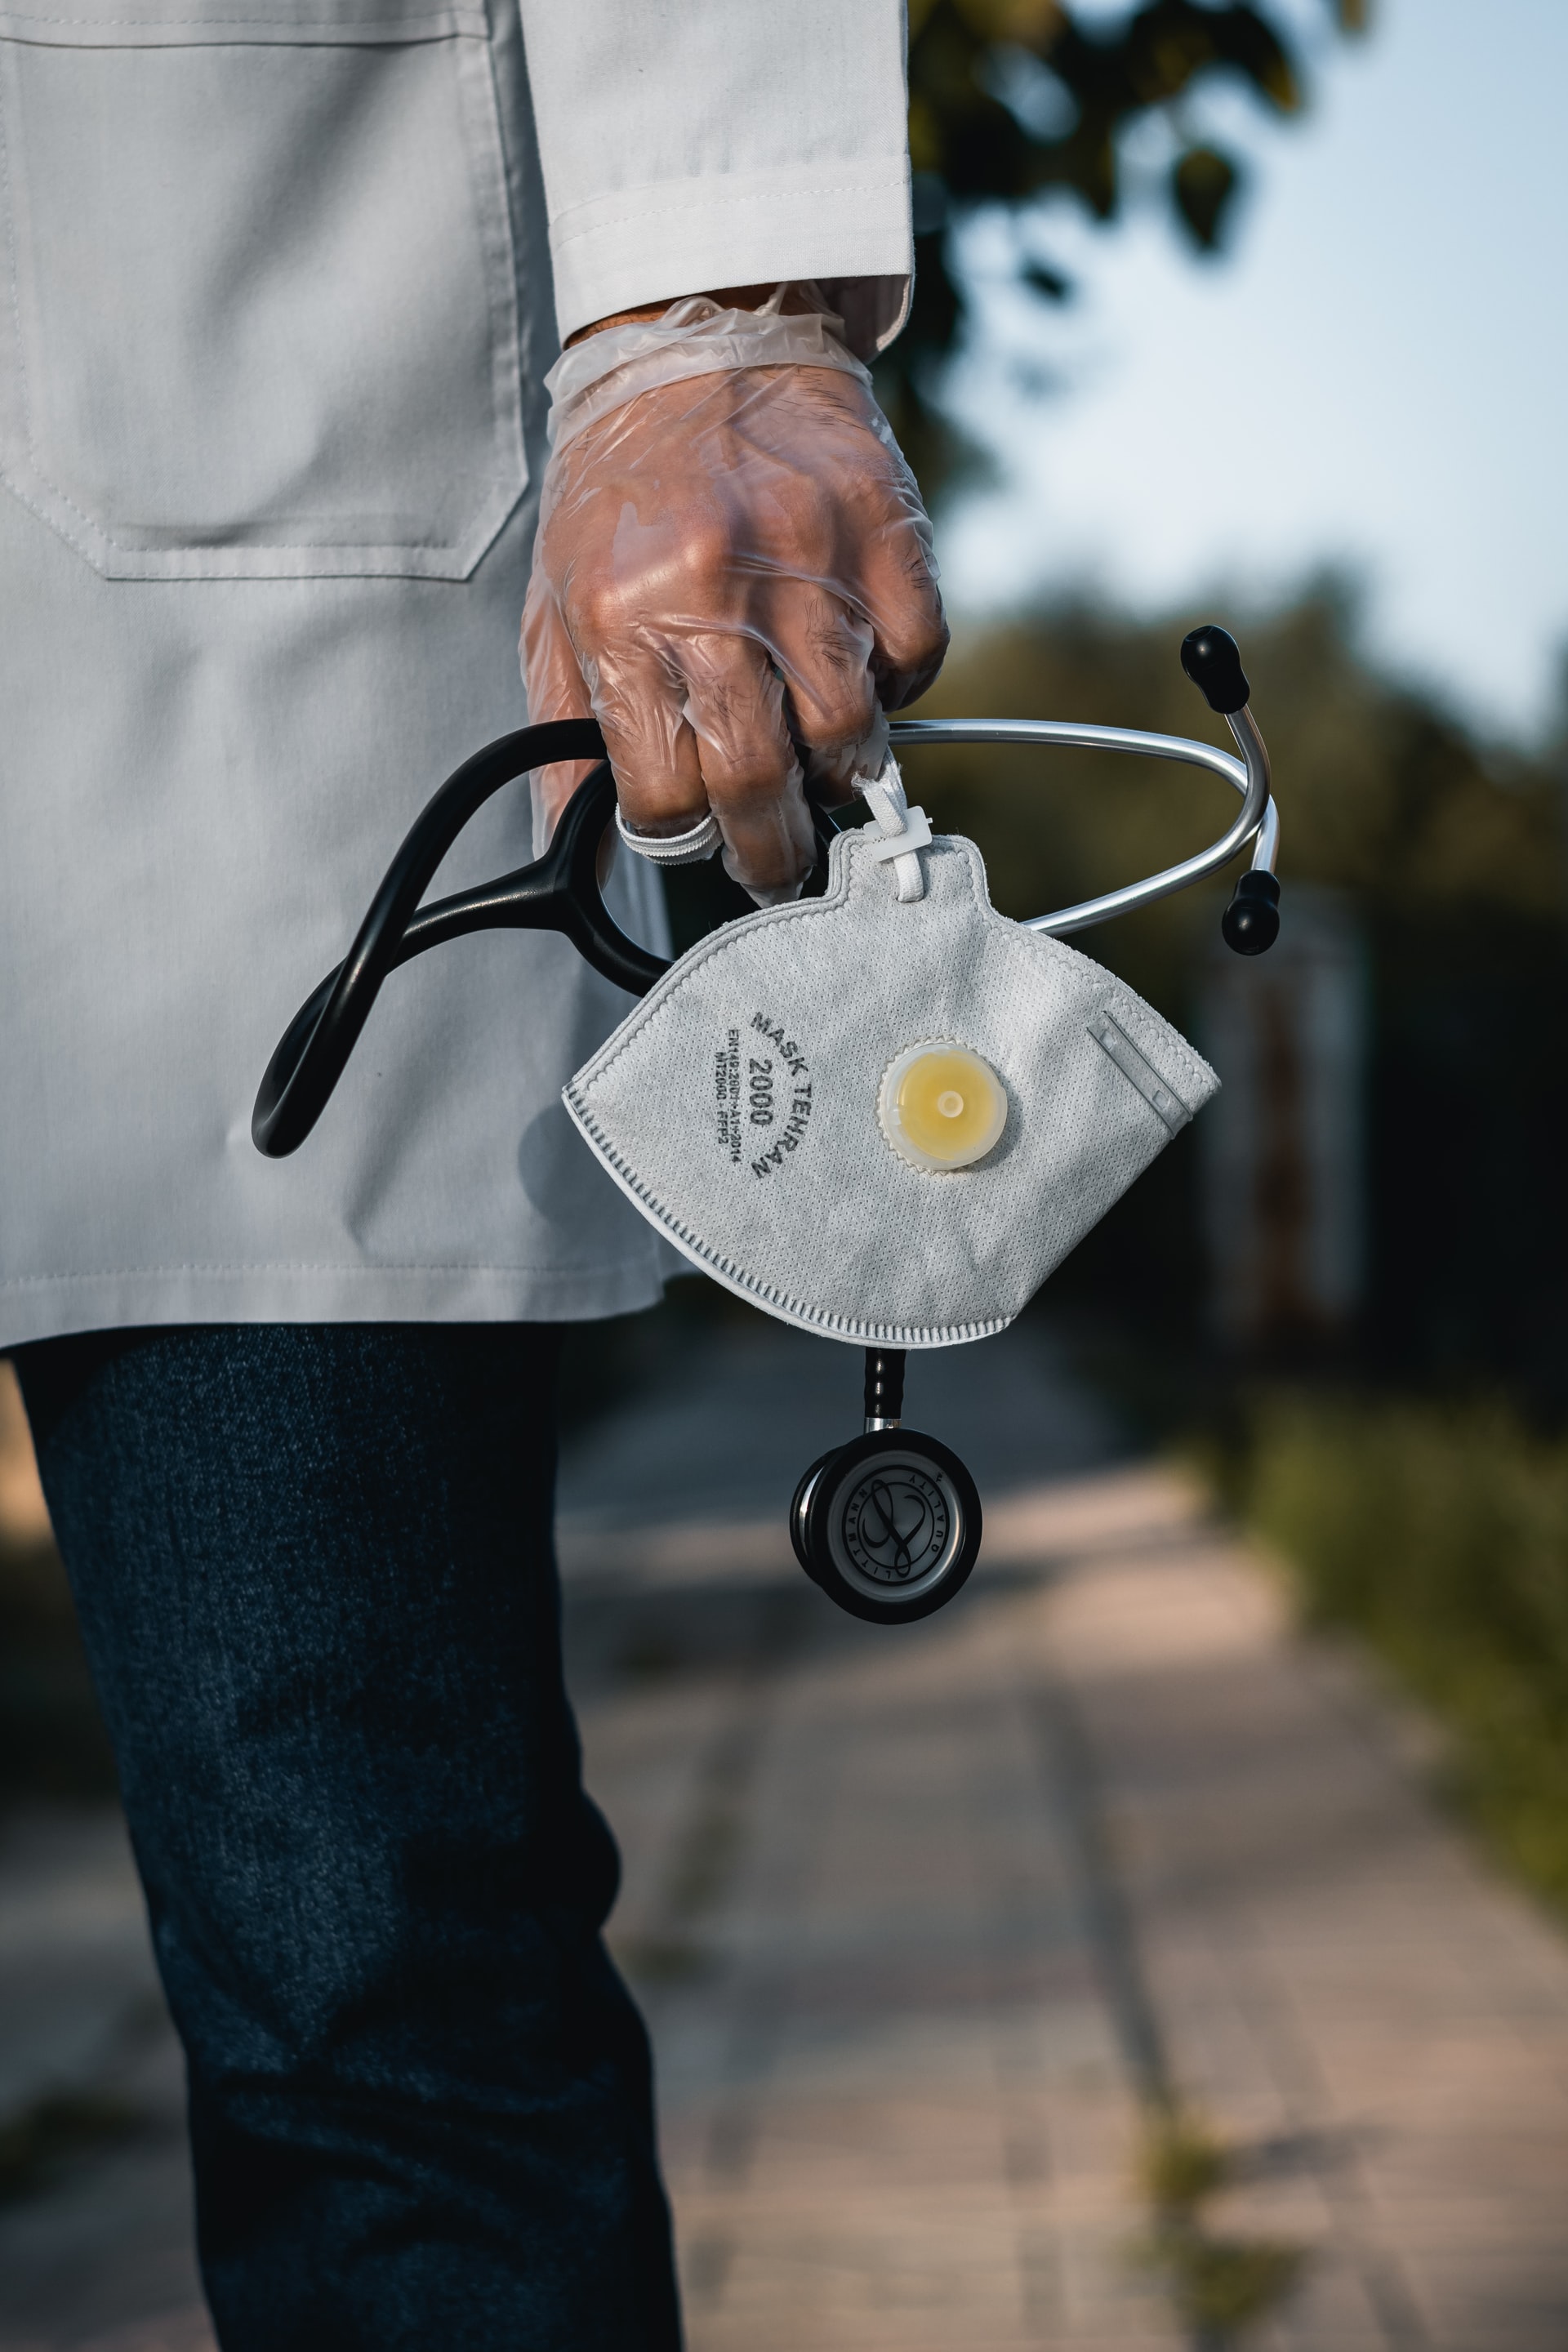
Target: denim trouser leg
[(314, 1574)]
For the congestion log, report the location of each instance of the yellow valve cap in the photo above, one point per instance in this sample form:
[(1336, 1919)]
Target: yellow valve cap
[(941, 1105)]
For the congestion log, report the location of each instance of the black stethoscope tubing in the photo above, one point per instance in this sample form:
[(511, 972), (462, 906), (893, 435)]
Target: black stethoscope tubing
[(558, 892)]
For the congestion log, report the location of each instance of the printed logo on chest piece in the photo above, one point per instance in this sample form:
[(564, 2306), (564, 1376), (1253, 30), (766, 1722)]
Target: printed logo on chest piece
[(896, 1524)]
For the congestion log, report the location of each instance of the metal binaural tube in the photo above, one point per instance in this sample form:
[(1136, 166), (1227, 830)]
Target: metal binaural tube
[(1255, 751), (1258, 819)]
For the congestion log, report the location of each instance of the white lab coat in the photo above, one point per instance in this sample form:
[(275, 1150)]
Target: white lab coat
[(276, 310)]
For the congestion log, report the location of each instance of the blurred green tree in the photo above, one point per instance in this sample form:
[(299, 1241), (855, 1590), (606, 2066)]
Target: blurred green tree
[(1014, 101)]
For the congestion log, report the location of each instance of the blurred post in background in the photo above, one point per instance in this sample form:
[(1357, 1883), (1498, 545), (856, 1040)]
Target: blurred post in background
[(1283, 1146)]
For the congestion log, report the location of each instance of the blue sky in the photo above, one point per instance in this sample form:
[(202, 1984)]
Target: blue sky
[(1376, 376)]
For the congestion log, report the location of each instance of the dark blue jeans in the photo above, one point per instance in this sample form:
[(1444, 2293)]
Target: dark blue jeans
[(314, 1574)]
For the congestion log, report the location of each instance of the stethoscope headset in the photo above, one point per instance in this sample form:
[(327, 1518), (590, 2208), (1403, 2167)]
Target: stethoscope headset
[(889, 1524)]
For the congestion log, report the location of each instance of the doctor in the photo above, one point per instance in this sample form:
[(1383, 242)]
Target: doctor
[(283, 281)]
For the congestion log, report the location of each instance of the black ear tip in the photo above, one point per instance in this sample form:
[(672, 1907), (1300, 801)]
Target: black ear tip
[(1212, 659), (1250, 924), (1249, 930), (1207, 642)]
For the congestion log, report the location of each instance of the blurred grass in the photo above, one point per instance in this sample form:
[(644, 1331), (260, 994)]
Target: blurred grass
[(1182, 2161), (1438, 1534), (1224, 2284)]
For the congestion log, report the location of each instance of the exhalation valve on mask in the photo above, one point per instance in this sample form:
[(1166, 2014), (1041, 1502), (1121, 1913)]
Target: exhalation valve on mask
[(883, 1113)]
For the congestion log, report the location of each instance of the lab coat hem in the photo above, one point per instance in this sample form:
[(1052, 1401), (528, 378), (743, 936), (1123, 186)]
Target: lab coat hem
[(47, 1306)]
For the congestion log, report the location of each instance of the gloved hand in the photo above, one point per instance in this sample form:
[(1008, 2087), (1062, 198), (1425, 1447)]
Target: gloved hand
[(730, 565)]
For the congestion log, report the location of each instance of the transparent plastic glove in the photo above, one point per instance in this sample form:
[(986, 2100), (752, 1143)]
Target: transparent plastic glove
[(733, 574)]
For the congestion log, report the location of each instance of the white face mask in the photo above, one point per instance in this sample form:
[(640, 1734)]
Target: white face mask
[(887, 1114)]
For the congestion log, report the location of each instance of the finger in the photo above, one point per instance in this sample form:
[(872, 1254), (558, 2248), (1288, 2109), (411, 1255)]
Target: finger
[(875, 539), (556, 689), (824, 652), (896, 583), (639, 701), (594, 655), (734, 701)]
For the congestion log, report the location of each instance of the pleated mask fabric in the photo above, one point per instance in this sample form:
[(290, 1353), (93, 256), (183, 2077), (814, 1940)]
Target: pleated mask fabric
[(737, 1105)]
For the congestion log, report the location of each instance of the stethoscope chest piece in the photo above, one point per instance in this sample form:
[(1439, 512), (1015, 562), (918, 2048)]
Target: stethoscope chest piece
[(888, 1526)]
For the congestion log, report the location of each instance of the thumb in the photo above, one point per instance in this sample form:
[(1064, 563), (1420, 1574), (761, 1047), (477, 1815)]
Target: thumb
[(556, 689)]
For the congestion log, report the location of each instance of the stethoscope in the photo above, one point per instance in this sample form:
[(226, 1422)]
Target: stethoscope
[(889, 1524)]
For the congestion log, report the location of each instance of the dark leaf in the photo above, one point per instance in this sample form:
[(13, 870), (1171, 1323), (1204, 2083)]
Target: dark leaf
[(1034, 23), (983, 134), (1203, 184)]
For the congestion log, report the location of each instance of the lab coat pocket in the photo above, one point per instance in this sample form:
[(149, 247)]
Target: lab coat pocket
[(258, 303)]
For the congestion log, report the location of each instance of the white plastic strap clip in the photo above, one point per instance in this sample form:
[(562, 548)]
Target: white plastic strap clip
[(898, 832)]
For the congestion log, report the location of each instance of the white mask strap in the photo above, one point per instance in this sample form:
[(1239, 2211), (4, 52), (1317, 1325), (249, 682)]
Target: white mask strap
[(899, 833)]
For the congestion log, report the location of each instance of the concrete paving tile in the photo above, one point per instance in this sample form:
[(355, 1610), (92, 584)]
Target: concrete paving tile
[(1327, 2310)]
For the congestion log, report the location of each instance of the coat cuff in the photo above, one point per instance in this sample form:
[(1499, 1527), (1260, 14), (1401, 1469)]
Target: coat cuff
[(850, 230)]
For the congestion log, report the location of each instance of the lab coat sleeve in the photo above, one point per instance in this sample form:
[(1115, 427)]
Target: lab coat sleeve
[(689, 144)]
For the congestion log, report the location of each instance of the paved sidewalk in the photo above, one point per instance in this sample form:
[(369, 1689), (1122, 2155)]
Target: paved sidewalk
[(928, 1922)]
